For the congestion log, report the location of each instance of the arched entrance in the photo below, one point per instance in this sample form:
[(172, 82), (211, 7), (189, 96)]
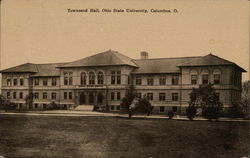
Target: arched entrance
[(82, 99), (91, 98)]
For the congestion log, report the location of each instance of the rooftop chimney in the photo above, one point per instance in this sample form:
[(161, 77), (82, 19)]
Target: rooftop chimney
[(144, 55)]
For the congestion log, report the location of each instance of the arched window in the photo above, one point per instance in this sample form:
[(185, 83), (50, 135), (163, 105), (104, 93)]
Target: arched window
[(100, 78), (193, 77), (217, 76), (91, 78), (205, 76), (83, 78)]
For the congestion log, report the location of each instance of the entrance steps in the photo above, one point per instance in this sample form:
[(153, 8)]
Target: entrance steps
[(84, 108)]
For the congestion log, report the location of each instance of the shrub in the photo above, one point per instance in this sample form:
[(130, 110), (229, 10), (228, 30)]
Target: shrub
[(236, 111), (191, 112), (143, 106), (170, 114), (211, 112)]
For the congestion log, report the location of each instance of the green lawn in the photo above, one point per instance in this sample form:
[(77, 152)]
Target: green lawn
[(106, 137)]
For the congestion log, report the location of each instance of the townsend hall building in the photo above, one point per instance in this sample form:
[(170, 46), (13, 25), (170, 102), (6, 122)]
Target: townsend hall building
[(102, 80)]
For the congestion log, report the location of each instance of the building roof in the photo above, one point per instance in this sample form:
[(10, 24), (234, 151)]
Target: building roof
[(27, 67), (37, 69), (107, 58), (171, 65)]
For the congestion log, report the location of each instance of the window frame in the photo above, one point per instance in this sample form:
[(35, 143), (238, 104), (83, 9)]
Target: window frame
[(175, 96)]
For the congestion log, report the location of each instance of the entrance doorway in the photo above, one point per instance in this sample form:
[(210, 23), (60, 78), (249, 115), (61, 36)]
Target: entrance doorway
[(82, 99), (91, 98)]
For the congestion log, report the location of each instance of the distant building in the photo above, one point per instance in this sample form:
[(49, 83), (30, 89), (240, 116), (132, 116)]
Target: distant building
[(101, 80)]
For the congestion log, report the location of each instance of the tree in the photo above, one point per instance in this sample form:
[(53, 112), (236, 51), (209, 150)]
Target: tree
[(5, 104), (245, 98), (143, 106), (191, 112), (127, 101), (205, 97), (29, 100)]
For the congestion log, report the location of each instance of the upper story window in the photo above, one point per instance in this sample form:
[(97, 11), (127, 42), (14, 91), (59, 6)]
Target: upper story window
[(14, 95), (138, 95), (115, 77), (175, 80), (216, 78), (83, 78), (118, 77), (45, 82), (150, 96), (68, 78), (53, 81), (70, 95), (8, 95), (118, 96), (138, 80), (100, 78), (36, 95), (53, 95), (112, 96), (36, 81), (15, 82), (21, 95), (150, 81), (21, 81), (162, 80), (175, 97), (45, 95), (193, 79), (162, 96), (8, 82), (65, 95), (91, 78), (204, 78)]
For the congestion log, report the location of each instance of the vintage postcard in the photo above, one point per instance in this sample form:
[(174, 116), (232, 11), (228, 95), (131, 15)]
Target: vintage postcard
[(124, 79)]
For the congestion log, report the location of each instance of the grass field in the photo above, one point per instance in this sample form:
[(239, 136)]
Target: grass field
[(107, 137)]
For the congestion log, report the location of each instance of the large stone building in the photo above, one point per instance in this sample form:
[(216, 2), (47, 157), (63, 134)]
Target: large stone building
[(102, 80)]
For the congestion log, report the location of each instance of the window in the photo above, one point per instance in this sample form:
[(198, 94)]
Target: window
[(53, 81), (45, 82), (174, 96), (70, 95), (118, 108), (175, 80), (36, 82), (45, 95), (83, 78), (8, 95), (118, 96), (205, 79), (150, 96), (216, 78), (112, 77), (138, 95), (162, 96), (20, 105), (174, 108), (36, 106), (138, 80), (21, 95), (68, 78), (112, 107), (193, 79), (112, 96), (162, 80), (36, 95), (14, 81), (162, 108), (8, 82), (118, 77), (53, 95), (150, 81), (128, 79), (14, 95), (100, 78), (91, 78), (65, 96), (21, 81), (44, 106)]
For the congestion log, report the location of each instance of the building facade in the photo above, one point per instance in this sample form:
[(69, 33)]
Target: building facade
[(102, 80)]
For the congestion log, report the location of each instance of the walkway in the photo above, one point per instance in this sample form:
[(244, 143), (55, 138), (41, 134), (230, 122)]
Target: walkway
[(94, 113)]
